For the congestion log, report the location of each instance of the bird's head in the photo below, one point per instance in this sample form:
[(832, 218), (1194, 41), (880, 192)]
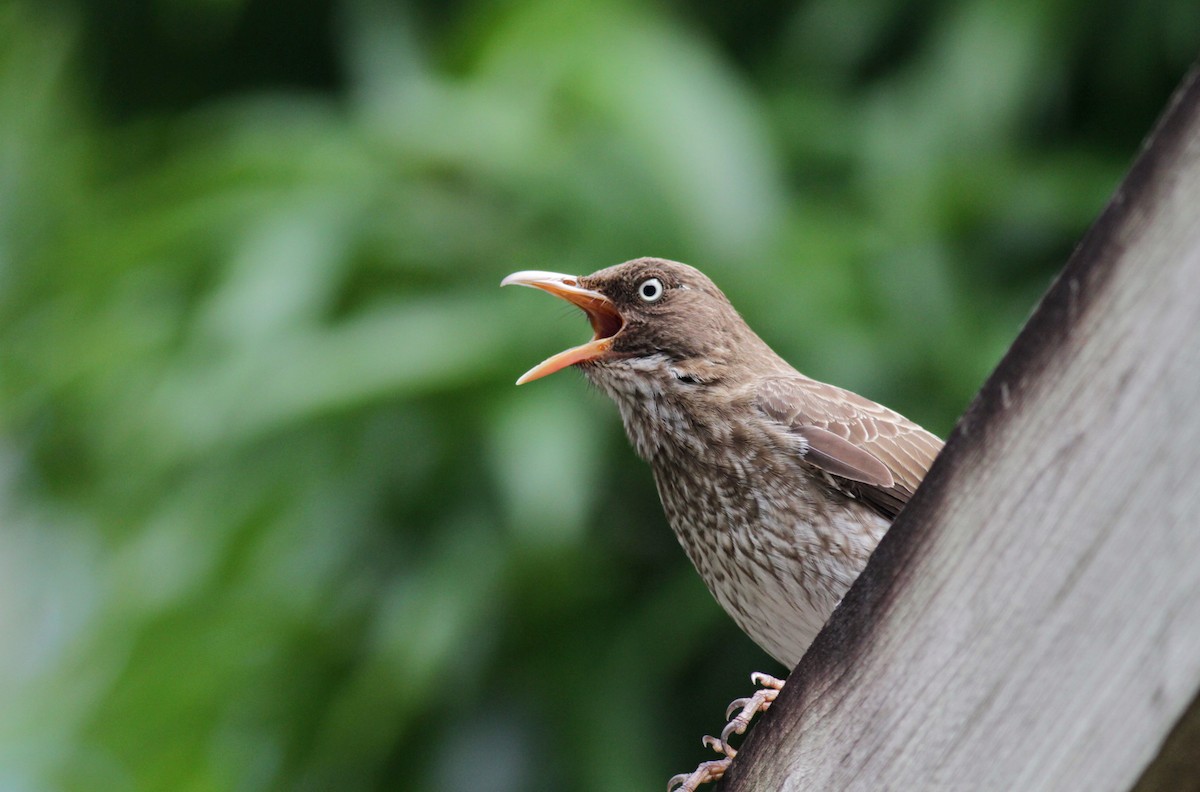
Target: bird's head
[(651, 318)]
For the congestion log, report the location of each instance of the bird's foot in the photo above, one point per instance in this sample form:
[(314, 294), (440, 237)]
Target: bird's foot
[(747, 708), (706, 773)]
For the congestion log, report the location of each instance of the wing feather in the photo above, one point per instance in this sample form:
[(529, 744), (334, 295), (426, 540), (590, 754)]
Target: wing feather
[(905, 449)]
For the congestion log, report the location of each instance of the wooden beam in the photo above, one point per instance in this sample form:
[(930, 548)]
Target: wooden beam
[(1032, 620)]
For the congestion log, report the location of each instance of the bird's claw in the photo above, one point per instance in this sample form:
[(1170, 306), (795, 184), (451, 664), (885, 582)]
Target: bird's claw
[(766, 680), (720, 746), (735, 705), (707, 771), (746, 709), (749, 707)]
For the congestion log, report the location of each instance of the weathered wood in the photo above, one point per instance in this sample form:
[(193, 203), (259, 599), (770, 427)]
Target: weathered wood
[(1032, 620)]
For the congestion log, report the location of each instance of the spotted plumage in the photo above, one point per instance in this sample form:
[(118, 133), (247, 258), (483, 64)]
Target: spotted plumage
[(777, 486)]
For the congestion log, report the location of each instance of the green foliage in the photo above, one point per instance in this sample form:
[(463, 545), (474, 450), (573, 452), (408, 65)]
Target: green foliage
[(273, 516)]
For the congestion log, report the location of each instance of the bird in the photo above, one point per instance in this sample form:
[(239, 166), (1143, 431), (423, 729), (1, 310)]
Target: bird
[(777, 486)]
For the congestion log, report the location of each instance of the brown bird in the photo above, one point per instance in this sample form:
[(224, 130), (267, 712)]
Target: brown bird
[(778, 487)]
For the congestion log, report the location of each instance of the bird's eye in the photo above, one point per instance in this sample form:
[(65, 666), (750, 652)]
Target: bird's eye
[(650, 290)]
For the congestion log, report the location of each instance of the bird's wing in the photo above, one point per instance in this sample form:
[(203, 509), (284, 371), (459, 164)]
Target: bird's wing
[(871, 452)]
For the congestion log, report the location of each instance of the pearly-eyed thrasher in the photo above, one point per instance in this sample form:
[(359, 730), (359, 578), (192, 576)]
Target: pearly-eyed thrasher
[(778, 487)]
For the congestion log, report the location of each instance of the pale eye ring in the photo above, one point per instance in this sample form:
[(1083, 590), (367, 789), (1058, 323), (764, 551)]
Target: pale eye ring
[(650, 290)]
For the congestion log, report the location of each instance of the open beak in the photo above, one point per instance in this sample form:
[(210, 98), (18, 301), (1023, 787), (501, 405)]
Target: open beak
[(601, 312)]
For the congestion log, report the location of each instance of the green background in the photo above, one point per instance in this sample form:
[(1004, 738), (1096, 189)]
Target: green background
[(273, 515)]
